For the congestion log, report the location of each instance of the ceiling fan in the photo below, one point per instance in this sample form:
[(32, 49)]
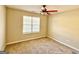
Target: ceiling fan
[(45, 11)]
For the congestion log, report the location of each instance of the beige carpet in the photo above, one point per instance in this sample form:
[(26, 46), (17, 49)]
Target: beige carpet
[(38, 46)]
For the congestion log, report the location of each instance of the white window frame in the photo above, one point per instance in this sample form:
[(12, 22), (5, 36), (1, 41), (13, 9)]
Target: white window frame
[(32, 25)]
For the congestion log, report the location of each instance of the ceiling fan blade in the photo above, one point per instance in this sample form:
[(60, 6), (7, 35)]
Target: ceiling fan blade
[(52, 11)]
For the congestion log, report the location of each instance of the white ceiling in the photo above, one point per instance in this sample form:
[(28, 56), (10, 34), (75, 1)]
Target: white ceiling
[(37, 8)]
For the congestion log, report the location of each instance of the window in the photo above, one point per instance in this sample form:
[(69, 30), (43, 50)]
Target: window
[(31, 24)]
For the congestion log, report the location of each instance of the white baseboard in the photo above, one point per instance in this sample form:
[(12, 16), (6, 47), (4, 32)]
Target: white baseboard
[(75, 49), (24, 40)]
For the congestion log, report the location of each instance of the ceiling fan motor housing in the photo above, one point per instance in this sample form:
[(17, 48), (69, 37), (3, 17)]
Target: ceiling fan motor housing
[(44, 9)]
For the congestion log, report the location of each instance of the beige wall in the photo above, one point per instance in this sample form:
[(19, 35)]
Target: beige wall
[(64, 27), (2, 27), (14, 26)]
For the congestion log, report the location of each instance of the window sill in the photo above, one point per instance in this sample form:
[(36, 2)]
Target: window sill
[(30, 33)]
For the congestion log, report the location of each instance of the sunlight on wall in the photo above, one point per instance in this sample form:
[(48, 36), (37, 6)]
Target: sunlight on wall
[(2, 27), (64, 27)]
